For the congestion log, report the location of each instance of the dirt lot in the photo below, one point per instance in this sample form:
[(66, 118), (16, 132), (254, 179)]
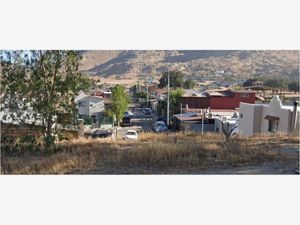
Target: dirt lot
[(174, 153)]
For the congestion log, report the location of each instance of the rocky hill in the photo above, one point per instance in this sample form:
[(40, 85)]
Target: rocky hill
[(225, 64)]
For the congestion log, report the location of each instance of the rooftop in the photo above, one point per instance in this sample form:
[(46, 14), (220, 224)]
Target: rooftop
[(224, 110), (243, 91), (189, 118), (218, 93)]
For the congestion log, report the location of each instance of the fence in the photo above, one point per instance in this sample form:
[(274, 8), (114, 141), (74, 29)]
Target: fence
[(15, 130)]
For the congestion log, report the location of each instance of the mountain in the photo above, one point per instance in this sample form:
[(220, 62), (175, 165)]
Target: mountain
[(196, 64)]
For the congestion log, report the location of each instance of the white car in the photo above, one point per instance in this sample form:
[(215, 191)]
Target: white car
[(159, 126), (131, 135)]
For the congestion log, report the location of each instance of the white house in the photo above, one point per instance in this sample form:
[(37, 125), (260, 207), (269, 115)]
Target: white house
[(271, 118), (89, 105)]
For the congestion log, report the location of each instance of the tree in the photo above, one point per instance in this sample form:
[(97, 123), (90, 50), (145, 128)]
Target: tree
[(293, 86), (189, 84), (276, 83), (45, 80), (176, 79), (175, 96), (227, 130), (142, 95), (85, 83), (248, 82), (119, 102)]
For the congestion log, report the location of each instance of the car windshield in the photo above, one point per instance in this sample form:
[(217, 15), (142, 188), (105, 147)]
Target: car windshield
[(102, 132), (160, 124), (131, 133)]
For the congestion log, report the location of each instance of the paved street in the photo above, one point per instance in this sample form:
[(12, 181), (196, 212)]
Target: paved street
[(139, 121)]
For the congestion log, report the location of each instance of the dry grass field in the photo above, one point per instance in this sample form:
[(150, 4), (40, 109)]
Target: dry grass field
[(153, 154)]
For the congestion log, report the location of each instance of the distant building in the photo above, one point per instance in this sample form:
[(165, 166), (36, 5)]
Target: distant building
[(227, 99), (192, 122), (90, 106), (100, 93), (258, 84), (271, 118)]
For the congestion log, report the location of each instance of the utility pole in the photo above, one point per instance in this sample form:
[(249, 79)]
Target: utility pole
[(203, 113), (147, 93), (168, 100), (181, 109)]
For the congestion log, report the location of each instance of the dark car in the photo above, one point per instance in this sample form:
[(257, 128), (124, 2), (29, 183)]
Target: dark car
[(126, 121), (162, 118), (147, 111), (102, 134)]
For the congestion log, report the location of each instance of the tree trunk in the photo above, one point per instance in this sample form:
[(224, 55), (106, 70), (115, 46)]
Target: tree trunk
[(49, 140)]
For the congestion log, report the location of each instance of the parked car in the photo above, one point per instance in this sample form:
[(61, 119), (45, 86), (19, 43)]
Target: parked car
[(131, 135), (147, 111), (162, 118), (126, 121), (128, 114), (160, 126), (102, 134)]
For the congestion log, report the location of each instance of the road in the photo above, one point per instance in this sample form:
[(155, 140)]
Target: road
[(139, 121)]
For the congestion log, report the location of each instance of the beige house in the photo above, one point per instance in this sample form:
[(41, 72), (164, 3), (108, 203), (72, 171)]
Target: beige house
[(272, 118)]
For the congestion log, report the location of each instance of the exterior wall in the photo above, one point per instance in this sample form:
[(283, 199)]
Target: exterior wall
[(231, 102), (224, 103), (197, 127), (253, 120), (218, 102), (246, 119), (297, 130), (14, 130), (96, 108), (85, 108), (195, 102), (257, 118), (285, 118)]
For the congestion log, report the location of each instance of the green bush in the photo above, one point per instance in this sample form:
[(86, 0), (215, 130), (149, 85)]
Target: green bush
[(141, 95), (88, 121)]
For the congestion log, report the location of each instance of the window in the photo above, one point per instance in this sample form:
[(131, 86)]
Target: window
[(82, 104), (244, 95), (273, 125), (241, 115)]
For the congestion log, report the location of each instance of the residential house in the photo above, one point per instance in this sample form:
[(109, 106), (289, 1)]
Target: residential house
[(258, 84), (222, 116), (271, 118), (101, 93), (227, 99), (192, 122), (90, 106)]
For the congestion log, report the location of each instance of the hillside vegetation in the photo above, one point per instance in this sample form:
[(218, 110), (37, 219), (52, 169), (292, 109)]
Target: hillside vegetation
[(235, 64)]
